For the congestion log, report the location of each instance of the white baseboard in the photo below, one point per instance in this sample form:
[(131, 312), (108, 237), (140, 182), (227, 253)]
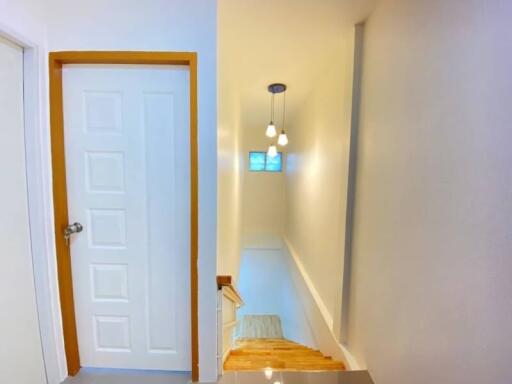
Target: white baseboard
[(226, 354), (318, 316)]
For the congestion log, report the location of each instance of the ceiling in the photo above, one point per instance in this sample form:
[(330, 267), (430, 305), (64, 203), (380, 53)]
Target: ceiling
[(288, 41)]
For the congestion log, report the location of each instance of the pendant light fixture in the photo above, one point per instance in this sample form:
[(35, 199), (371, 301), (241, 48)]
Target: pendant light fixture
[(271, 128), (272, 151), (283, 139)]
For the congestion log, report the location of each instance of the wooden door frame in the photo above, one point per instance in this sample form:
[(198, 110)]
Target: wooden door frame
[(60, 201)]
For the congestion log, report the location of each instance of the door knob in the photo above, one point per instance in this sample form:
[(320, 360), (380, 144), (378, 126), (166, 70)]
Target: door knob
[(70, 229)]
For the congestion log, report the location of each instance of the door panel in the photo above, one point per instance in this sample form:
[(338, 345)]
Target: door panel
[(128, 177)]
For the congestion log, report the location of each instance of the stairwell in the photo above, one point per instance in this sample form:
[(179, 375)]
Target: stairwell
[(259, 343), (251, 354)]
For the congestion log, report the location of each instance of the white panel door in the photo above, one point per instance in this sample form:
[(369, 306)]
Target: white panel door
[(21, 359), (128, 177)]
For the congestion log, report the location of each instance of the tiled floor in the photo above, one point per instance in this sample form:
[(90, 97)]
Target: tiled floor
[(121, 376), (340, 377), (101, 376)]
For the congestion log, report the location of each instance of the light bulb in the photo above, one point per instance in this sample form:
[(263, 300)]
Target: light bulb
[(272, 151), (283, 139), (268, 373), (271, 130)]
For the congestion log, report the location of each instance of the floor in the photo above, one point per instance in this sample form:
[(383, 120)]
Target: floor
[(124, 376), (100, 376), (332, 377), (279, 354)]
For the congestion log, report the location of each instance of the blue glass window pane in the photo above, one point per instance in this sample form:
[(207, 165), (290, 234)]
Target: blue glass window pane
[(256, 161), (274, 164), (260, 162)]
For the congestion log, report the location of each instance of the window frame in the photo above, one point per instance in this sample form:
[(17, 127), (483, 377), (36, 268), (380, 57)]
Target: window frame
[(265, 170)]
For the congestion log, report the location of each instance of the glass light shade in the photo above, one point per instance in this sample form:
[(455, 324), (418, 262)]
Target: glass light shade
[(272, 151), (271, 130), (283, 139)]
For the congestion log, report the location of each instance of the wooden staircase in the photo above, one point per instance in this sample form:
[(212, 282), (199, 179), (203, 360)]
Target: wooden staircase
[(279, 355)]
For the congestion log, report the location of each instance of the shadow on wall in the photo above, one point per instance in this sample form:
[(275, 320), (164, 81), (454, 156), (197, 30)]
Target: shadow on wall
[(267, 289)]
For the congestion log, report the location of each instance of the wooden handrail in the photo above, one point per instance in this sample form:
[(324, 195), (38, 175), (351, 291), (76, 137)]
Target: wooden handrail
[(225, 281)]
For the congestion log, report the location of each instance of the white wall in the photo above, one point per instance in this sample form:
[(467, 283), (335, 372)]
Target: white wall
[(231, 162), (24, 18), (20, 352), (230, 171), (176, 25), (432, 288), (267, 289), (316, 181), (263, 214)]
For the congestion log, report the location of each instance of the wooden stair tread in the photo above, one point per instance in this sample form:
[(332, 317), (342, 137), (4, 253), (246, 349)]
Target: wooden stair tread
[(280, 354), (274, 353), (286, 358)]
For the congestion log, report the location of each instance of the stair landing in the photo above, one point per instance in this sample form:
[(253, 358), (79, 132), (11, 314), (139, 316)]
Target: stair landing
[(277, 354)]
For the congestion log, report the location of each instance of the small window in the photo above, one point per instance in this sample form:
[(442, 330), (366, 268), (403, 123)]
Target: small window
[(260, 162)]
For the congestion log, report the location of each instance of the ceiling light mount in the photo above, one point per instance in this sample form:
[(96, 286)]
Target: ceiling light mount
[(276, 88), (271, 131)]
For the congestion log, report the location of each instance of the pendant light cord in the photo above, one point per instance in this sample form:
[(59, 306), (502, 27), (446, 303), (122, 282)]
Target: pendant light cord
[(284, 108), (272, 108)]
